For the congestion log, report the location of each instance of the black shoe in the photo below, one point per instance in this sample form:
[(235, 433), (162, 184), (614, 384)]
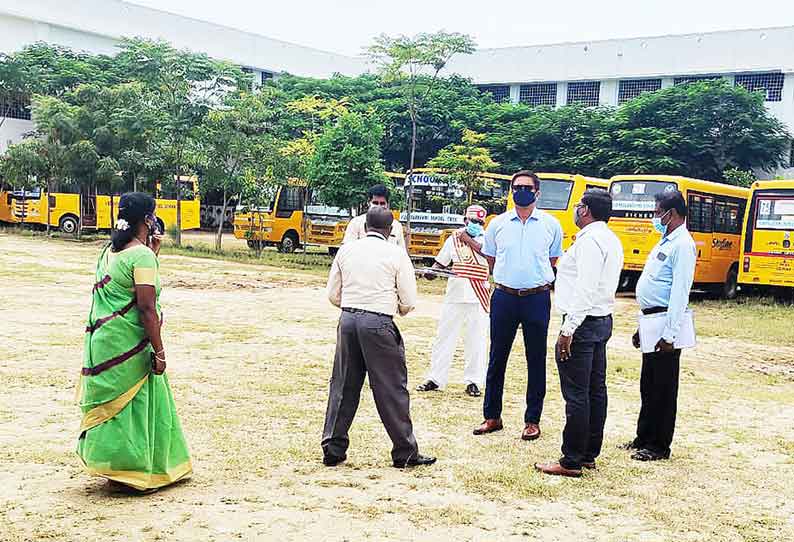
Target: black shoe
[(649, 455), (427, 386), (630, 445), (416, 461), (333, 460), (472, 390)]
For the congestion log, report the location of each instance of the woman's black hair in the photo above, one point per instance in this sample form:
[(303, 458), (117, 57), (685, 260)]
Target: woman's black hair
[(133, 207)]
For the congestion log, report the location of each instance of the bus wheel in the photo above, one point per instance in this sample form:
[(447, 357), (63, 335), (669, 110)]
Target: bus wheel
[(731, 287), (288, 243), (627, 283), (333, 250), (68, 224)]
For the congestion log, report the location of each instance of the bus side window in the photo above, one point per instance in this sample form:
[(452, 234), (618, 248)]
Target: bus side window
[(700, 213), (728, 216), (290, 200)]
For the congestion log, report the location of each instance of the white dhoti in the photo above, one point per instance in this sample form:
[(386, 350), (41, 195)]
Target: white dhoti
[(454, 316)]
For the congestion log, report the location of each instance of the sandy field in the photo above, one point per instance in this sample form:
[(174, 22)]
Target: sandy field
[(250, 351)]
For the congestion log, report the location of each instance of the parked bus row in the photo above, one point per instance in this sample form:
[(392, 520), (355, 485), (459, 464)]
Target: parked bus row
[(96, 211), (742, 235)]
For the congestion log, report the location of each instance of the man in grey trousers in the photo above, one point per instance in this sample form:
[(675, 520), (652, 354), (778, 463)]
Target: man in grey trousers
[(371, 280)]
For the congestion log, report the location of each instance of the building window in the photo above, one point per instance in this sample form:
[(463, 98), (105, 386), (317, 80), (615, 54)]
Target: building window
[(695, 79), (770, 83), (629, 89), (266, 76), (538, 94), (499, 93), (584, 92), (14, 105)]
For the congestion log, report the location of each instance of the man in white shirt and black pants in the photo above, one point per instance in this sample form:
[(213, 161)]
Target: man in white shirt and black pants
[(587, 278), (371, 280)]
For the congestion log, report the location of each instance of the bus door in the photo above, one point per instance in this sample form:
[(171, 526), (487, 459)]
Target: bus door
[(88, 210), (769, 239), (288, 223), (700, 224), (726, 239)]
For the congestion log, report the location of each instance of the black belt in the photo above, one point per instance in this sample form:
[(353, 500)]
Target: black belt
[(592, 317), (362, 311), (523, 292), (654, 310)]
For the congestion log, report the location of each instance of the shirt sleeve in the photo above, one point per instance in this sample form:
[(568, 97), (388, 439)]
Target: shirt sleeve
[(399, 233), (589, 268), (683, 262), (145, 268), (351, 231), (334, 287), (555, 250), (406, 285), (489, 245), (444, 256)]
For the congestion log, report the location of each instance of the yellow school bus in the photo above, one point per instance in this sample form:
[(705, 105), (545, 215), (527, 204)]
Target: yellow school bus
[(67, 209), (559, 192), (716, 214), (768, 236), (295, 217)]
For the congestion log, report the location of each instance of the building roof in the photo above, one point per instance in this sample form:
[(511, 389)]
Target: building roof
[(730, 51), (115, 19), (99, 24)]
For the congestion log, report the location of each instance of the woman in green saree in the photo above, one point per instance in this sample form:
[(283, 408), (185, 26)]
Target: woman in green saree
[(130, 433)]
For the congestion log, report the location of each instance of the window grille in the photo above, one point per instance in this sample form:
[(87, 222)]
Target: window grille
[(15, 106), (499, 93), (266, 76), (584, 92), (770, 83), (629, 89), (538, 94)]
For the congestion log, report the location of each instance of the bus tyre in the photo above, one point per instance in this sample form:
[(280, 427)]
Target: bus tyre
[(333, 250), (288, 243), (731, 287), (68, 224)]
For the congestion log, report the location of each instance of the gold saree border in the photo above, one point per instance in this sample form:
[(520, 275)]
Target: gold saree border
[(143, 480), (102, 413)]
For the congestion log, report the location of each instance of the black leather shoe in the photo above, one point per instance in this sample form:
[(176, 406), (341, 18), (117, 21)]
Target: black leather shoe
[(649, 455), (416, 461), (472, 390), (427, 386), (333, 460)]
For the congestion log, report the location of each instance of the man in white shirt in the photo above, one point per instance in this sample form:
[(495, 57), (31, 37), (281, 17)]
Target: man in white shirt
[(378, 197), (587, 279), (467, 301), (371, 280)]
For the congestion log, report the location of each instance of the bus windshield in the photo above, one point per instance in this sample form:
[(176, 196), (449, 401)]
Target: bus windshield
[(637, 199), (775, 213), (316, 206), (555, 194)]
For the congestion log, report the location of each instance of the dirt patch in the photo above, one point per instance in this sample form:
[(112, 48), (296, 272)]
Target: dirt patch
[(250, 351)]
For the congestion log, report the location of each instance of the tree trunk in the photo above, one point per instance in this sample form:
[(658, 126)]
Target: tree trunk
[(409, 179), (219, 237), (178, 238), (134, 182)]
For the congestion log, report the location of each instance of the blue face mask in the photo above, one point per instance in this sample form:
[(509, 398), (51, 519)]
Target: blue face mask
[(524, 198), (657, 224), (474, 230)]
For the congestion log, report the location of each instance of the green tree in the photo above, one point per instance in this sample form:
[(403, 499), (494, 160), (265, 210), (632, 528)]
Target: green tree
[(185, 86), (408, 59), (234, 148), (347, 161), (464, 163)]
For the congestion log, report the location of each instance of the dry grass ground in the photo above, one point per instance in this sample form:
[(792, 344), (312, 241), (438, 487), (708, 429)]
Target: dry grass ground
[(250, 350)]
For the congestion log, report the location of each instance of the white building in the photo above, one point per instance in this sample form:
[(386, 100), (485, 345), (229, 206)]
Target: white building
[(593, 73)]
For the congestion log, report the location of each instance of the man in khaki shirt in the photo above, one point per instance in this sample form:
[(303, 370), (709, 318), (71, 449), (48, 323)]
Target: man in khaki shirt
[(371, 280), (378, 197)]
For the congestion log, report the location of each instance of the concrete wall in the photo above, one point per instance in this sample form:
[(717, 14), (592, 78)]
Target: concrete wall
[(12, 131)]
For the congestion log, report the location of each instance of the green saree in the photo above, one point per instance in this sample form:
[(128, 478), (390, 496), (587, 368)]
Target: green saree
[(130, 431)]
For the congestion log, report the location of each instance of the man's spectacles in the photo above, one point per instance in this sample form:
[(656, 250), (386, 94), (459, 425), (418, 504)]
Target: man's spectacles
[(380, 203), (477, 221), (523, 187)]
